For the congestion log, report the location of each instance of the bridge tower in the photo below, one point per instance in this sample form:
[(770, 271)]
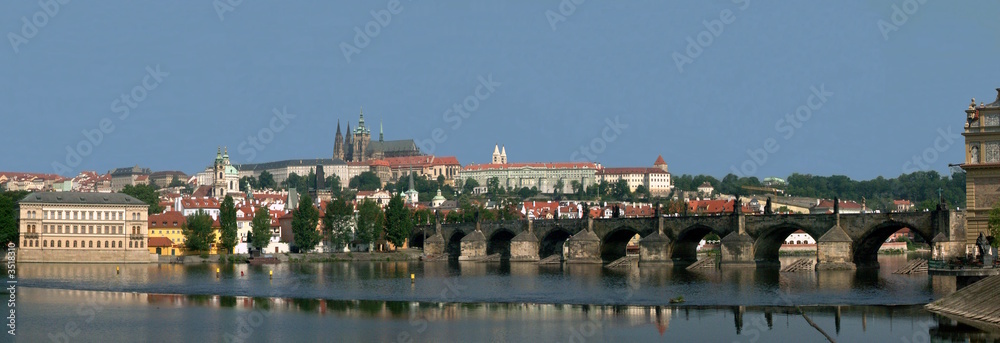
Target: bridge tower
[(982, 166)]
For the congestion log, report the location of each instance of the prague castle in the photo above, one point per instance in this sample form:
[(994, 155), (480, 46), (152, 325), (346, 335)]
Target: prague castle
[(357, 145)]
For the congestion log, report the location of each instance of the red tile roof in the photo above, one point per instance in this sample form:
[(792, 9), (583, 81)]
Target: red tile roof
[(166, 220), (625, 171), (659, 161), (843, 204), (537, 165), (160, 242)]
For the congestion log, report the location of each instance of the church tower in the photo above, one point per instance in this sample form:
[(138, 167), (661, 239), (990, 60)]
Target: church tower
[(503, 155), (349, 145), (361, 138), (225, 175), (338, 144), (496, 154)]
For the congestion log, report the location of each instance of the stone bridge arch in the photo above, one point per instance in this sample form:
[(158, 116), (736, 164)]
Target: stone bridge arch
[(686, 240)]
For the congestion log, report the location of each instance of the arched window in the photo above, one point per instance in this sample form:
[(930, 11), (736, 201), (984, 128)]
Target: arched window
[(91, 244), (60, 243), (105, 244), (130, 244), (45, 244), (74, 244), (119, 244)]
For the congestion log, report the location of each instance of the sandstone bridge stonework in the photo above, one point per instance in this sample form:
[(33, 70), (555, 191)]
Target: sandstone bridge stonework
[(844, 241)]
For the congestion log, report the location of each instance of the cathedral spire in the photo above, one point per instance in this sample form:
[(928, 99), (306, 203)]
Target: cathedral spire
[(361, 121), (380, 130), (338, 127)]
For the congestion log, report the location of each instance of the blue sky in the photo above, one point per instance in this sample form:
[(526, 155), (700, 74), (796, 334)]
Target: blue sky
[(213, 75)]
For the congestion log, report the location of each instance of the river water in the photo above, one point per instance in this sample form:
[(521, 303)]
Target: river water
[(452, 301)]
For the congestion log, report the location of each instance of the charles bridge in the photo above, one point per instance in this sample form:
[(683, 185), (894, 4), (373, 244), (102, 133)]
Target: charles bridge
[(843, 241)]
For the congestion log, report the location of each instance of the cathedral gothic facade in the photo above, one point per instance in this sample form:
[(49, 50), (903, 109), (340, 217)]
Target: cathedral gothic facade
[(356, 145)]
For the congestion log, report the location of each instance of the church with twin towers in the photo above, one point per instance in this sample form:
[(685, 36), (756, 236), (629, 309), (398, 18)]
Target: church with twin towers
[(357, 146)]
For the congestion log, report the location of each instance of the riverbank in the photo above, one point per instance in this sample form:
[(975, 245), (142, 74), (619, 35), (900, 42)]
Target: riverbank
[(393, 256)]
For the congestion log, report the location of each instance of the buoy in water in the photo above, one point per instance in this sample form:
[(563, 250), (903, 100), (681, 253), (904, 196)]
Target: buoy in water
[(241, 273)]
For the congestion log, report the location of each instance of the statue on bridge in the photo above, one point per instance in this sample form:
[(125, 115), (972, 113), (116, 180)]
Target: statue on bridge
[(985, 251), (836, 205), (767, 207)]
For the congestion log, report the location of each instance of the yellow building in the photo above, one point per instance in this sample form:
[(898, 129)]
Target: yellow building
[(982, 165), (170, 226)]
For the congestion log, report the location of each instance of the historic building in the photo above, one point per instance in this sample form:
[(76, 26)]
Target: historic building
[(429, 166), (122, 177), (982, 165), (357, 145), (545, 176), (655, 179), (82, 227)]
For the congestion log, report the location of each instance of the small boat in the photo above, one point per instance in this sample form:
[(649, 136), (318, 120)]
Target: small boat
[(677, 300), (263, 259)]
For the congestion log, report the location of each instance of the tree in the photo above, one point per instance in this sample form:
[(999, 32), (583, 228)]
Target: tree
[(366, 181), (620, 190), (148, 195), (399, 225), (176, 182), (9, 223), (994, 224), (305, 220), (248, 181), (227, 221), (492, 186), (337, 221), (642, 191), (370, 222), (266, 181), (260, 228), (333, 183), (297, 182), (198, 235), (470, 186)]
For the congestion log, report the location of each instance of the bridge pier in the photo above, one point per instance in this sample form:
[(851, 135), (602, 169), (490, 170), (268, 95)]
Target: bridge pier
[(655, 248), (473, 246), (737, 251), (834, 250), (584, 247), (524, 246), (435, 244)]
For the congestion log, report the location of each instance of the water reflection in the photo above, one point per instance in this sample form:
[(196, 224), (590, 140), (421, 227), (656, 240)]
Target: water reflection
[(472, 282), (174, 316)]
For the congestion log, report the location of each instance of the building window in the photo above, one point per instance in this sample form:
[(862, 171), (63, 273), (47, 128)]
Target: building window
[(45, 244), (60, 243), (106, 244), (74, 244), (90, 244), (992, 152)]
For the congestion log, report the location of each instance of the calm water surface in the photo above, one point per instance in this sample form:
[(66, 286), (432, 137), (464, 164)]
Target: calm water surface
[(450, 301)]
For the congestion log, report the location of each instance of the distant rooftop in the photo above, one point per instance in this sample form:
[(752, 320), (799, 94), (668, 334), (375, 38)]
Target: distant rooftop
[(81, 198)]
